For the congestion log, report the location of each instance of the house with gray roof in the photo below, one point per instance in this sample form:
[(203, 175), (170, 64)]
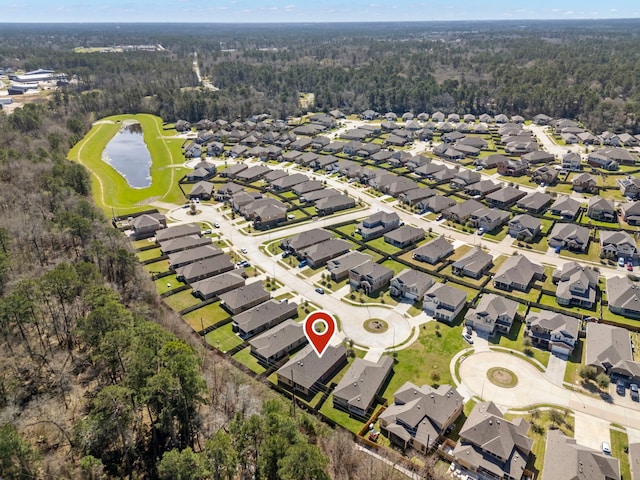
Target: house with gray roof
[(565, 207), (213, 286), (410, 284), (334, 147), (170, 246), (241, 199), (545, 175), (148, 224), (314, 196), (320, 253), (505, 197), (290, 156), (277, 342), (576, 285), (370, 276), (339, 267), (305, 239), (602, 209), (552, 331), (610, 350), (489, 219), (204, 268), (534, 202), (538, 156), (233, 170), (631, 212), (377, 224), (618, 244), (306, 159), (226, 191), (623, 295), (465, 177), (334, 203), (420, 416), (202, 190), (473, 264), (564, 459), (177, 231), (284, 184), (517, 273), (525, 227), (305, 374), (629, 187), (263, 317), (461, 212), (182, 258), (492, 446), (305, 187), (416, 195), (607, 156), (444, 302), (267, 216), (429, 169), (399, 186), (244, 298), (570, 236), (482, 188), (252, 174), (363, 382), (404, 236), (491, 161), (493, 313), (324, 162), (436, 203), (433, 251), (584, 182)]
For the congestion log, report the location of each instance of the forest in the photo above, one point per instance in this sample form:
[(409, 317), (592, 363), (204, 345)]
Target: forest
[(98, 378)]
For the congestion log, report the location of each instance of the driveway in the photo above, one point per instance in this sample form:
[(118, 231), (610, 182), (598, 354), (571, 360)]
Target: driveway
[(591, 431), (555, 370)]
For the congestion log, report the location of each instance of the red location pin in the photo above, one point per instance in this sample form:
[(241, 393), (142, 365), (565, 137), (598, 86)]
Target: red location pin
[(319, 327)]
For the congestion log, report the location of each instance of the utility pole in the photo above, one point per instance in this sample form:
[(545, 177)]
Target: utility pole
[(293, 394)]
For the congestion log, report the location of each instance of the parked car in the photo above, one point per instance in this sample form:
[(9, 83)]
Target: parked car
[(468, 338), (291, 216), (243, 250), (285, 254), (320, 290), (633, 390), (630, 267), (303, 263), (558, 248), (621, 261), (206, 232), (439, 217), (606, 448), (216, 225), (481, 231), (620, 388)]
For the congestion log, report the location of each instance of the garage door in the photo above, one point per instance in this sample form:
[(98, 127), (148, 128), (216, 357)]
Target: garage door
[(559, 349)]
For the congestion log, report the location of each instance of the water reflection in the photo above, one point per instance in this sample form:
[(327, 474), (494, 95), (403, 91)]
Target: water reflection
[(128, 154)]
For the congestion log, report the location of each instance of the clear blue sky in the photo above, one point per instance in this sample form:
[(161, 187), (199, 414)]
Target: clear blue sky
[(232, 11)]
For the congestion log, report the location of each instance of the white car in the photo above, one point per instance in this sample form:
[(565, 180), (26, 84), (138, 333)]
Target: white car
[(468, 338), (243, 250), (606, 448)]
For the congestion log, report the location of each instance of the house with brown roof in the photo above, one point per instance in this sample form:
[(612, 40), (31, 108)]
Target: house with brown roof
[(584, 182), (277, 342), (410, 284), (177, 231), (517, 273), (420, 416), (370, 276), (404, 236), (244, 298), (552, 331), (213, 286), (263, 317), (433, 251), (147, 224), (306, 374), (444, 302), (505, 197), (363, 382), (493, 313), (492, 446), (473, 264)]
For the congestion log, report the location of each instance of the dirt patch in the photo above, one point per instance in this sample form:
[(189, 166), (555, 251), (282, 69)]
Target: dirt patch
[(375, 325), (502, 377)]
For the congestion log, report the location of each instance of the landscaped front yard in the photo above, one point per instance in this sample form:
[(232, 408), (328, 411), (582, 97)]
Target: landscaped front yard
[(515, 341)]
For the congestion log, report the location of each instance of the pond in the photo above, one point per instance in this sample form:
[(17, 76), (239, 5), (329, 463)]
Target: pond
[(128, 154)]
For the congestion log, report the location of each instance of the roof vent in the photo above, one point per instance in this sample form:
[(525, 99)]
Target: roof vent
[(490, 422)]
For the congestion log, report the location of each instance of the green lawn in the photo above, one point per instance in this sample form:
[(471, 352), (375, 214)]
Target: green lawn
[(515, 341), (619, 442), (244, 356), (149, 254), (181, 300), (397, 267), (574, 362), (497, 234), (340, 417), (165, 284), (383, 246), (530, 296), (157, 267), (206, 316), (592, 254), (111, 191), (427, 360), (381, 296), (223, 338)]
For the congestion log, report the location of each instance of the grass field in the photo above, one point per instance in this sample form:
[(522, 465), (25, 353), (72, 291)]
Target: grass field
[(111, 191), (223, 338), (205, 316), (181, 300)]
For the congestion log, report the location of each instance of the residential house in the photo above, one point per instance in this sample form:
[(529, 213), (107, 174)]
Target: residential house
[(177, 231), (493, 313), (513, 168), (634, 460), (505, 197), (429, 169), (610, 156), (587, 138), (277, 342), (542, 119), (370, 276), (473, 264), (170, 246), (553, 331), (610, 350), (147, 224), (241, 199), (213, 286), (284, 184), (538, 156), (461, 212), (433, 251), (410, 284), (381, 156), (602, 209), (489, 219), (436, 203), (202, 190), (465, 177), (301, 143), (352, 147), (233, 170), (226, 191), (334, 203), (180, 259), (576, 285), (544, 175), (198, 174), (404, 236), (630, 212), (525, 227), (571, 162), (306, 373), (334, 147), (302, 240), (618, 244), (535, 202), (565, 207), (305, 187), (492, 446), (319, 142), (377, 225), (324, 162), (570, 236), (444, 302), (263, 317), (319, 254), (482, 188), (416, 195), (269, 215), (564, 458), (629, 187), (204, 268), (491, 161), (361, 385), (243, 298), (420, 416), (314, 196), (584, 182), (339, 267), (307, 158), (238, 151), (517, 273), (623, 295)]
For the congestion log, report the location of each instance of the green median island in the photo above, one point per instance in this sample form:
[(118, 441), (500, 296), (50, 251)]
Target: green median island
[(133, 162)]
